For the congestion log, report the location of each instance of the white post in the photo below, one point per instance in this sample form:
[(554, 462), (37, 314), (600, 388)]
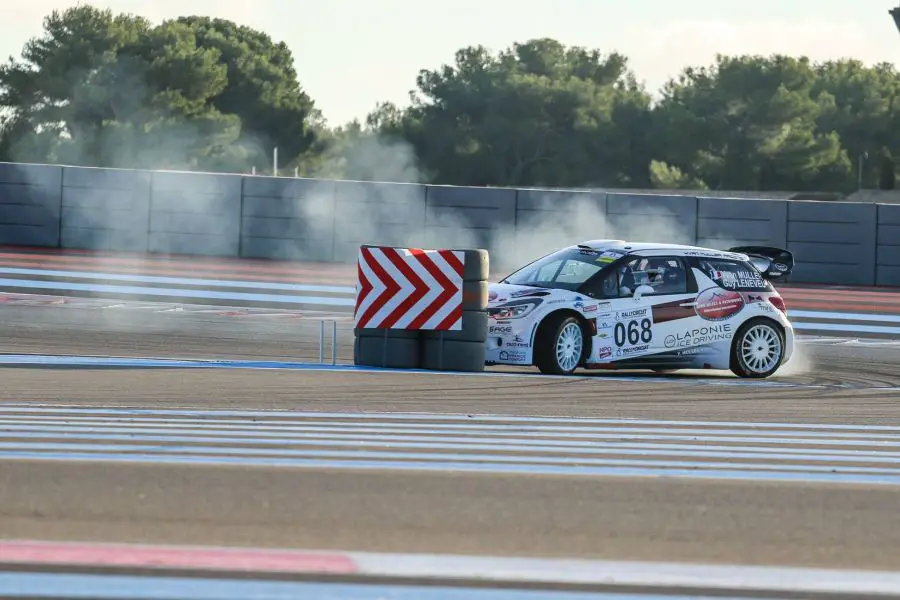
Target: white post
[(253, 171), (334, 342), (296, 172), (275, 162), (321, 341)]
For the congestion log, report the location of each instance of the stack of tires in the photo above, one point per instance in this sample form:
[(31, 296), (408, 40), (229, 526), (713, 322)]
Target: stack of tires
[(461, 350)]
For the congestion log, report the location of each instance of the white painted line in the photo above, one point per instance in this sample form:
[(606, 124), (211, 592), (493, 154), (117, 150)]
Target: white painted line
[(643, 574), (257, 285)]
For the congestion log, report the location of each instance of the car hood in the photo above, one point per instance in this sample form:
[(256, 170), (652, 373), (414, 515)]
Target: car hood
[(500, 293)]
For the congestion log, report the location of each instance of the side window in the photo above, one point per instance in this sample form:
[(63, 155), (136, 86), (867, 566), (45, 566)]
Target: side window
[(665, 274), (733, 275)]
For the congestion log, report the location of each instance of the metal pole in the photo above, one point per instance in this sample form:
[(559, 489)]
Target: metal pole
[(321, 342), (334, 342)]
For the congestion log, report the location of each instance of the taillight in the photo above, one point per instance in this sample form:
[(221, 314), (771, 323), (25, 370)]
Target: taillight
[(778, 302)]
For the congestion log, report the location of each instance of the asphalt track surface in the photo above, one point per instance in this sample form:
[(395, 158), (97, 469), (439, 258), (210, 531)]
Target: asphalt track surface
[(689, 468)]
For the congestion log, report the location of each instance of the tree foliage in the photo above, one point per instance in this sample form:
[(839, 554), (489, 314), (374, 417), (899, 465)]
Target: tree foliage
[(113, 90), (107, 89)]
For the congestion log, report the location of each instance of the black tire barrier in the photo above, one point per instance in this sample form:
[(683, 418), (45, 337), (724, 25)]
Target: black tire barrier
[(474, 329), (392, 353), (477, 264), (474, 295), (452, 355), (397, 334), (462, 350)]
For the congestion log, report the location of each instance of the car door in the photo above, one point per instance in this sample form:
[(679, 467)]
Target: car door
[(643, 298)]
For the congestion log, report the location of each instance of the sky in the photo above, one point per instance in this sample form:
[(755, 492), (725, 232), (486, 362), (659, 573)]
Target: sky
[(351, 54)]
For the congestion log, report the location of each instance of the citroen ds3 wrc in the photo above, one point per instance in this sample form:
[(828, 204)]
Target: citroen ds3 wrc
[(662, 307)]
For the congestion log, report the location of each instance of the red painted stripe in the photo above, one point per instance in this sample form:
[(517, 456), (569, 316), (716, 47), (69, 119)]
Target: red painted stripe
[(177, 557), (844, 307), (365, 287), (448, 291), (859, 295), (420, 287), (391, 288)]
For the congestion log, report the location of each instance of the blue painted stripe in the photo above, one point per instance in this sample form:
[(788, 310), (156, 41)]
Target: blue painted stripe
[(707, 379), (568, 470), (844, 316), (258, 285), (179, 293), (847, 328), (109, 587), (272, 447)]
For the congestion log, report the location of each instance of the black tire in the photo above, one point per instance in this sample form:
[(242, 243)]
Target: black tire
[(474, 295), (476, 264), (393, 353), (453, 355), (545, 356), (739, 362), (474, 329), (391, 334)]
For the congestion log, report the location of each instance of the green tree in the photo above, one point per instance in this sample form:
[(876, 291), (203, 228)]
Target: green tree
[(537, 113), (749, 123), (112, 90), (862, 105)]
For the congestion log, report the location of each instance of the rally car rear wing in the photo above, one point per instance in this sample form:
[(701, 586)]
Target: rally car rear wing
[(773, 263)]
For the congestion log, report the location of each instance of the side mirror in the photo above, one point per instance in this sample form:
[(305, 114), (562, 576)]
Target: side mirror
[(641, 290)]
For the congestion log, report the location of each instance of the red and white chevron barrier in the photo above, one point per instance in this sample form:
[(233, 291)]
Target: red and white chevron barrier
[(409, 288)]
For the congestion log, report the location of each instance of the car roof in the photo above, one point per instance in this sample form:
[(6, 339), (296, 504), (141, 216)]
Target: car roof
[(658, 248)]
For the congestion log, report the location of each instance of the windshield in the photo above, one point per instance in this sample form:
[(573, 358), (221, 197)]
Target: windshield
[(565, 269)]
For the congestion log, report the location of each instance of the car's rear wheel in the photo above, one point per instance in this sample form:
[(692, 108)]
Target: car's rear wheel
[(758, 349), (559, 345)]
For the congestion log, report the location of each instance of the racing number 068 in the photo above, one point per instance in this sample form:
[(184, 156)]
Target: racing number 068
[(633, 332)]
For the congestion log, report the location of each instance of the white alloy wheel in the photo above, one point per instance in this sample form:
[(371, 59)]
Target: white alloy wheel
[(569, 344), (758, 350)]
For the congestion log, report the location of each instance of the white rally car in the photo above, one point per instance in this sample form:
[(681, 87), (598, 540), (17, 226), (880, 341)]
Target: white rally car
[(618, 305)]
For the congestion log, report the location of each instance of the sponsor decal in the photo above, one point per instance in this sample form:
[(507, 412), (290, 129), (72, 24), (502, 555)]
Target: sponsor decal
[(744, 279), (585, 308), (500, 329), (780, 267), (528, 292), (517, 342), (634, 349), (628, 315), (604, 352), (559, 301), (602, 335), (691, 351), (708, 334), (609, 256), (714, 304), (512, 356)]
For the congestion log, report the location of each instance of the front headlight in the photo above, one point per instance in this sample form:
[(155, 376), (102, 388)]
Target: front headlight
[(515, 310)]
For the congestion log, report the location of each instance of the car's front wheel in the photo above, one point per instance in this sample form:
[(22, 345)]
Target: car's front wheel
[(758, 349), (559, 346)]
